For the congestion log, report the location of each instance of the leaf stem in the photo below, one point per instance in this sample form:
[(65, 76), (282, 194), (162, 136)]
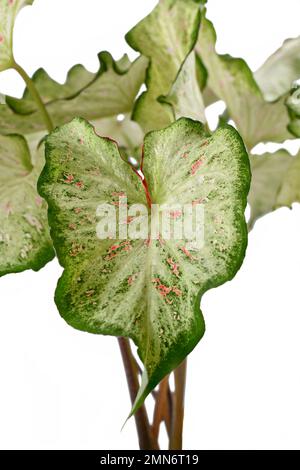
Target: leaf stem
[(178, 407), (146, 439), (161, 405), (35, 95)]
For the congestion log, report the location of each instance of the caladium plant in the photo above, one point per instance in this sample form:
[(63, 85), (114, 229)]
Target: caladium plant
[(147, 289), (168, 193)]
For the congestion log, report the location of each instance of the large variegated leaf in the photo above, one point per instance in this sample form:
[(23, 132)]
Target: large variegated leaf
[(8, 12), (277, 74), (146, 289), (112, 92), (166, 37), (49, 90), (293, 104), (275, 183), (232, 81), (185, 96), (25, 241)]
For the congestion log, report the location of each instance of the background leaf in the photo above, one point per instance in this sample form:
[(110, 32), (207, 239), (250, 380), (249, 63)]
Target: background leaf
[(232, 81), (8, 12), (275, 183), (185, 97), (50, 90), (290, 187), (112, 92), (25, 241), (277, 74), (166, 36)]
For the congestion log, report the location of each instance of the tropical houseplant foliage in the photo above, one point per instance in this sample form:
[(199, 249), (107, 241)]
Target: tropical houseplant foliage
[(64, 150)]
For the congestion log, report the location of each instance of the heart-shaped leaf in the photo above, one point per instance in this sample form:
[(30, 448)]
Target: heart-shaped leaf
[(146, 288), (25, 241), (8, 13), (166, 37), (232, 81), (275, 183)]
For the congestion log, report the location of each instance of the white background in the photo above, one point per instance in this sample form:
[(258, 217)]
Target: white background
[(64, 389)]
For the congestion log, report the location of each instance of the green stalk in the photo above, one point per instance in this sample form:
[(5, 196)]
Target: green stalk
[(146, 438), (35, 95), (178, 407), (161, 407)]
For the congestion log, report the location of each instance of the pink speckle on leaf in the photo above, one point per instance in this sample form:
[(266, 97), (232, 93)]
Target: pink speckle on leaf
[(132, 278), (114, 247), (177, 291), (72, 226), (185, 155), (196, 166), (147, 242), (126, 245), (197, 201), (110, 256), (175, 214), (161, 241), (77, 210), (119, 203), (38, 201), (69, 179), (130, 218), (174, 266), (114, 250), (165, 290), (187, 253), (76, 249), (79, 184), (1, 38)]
